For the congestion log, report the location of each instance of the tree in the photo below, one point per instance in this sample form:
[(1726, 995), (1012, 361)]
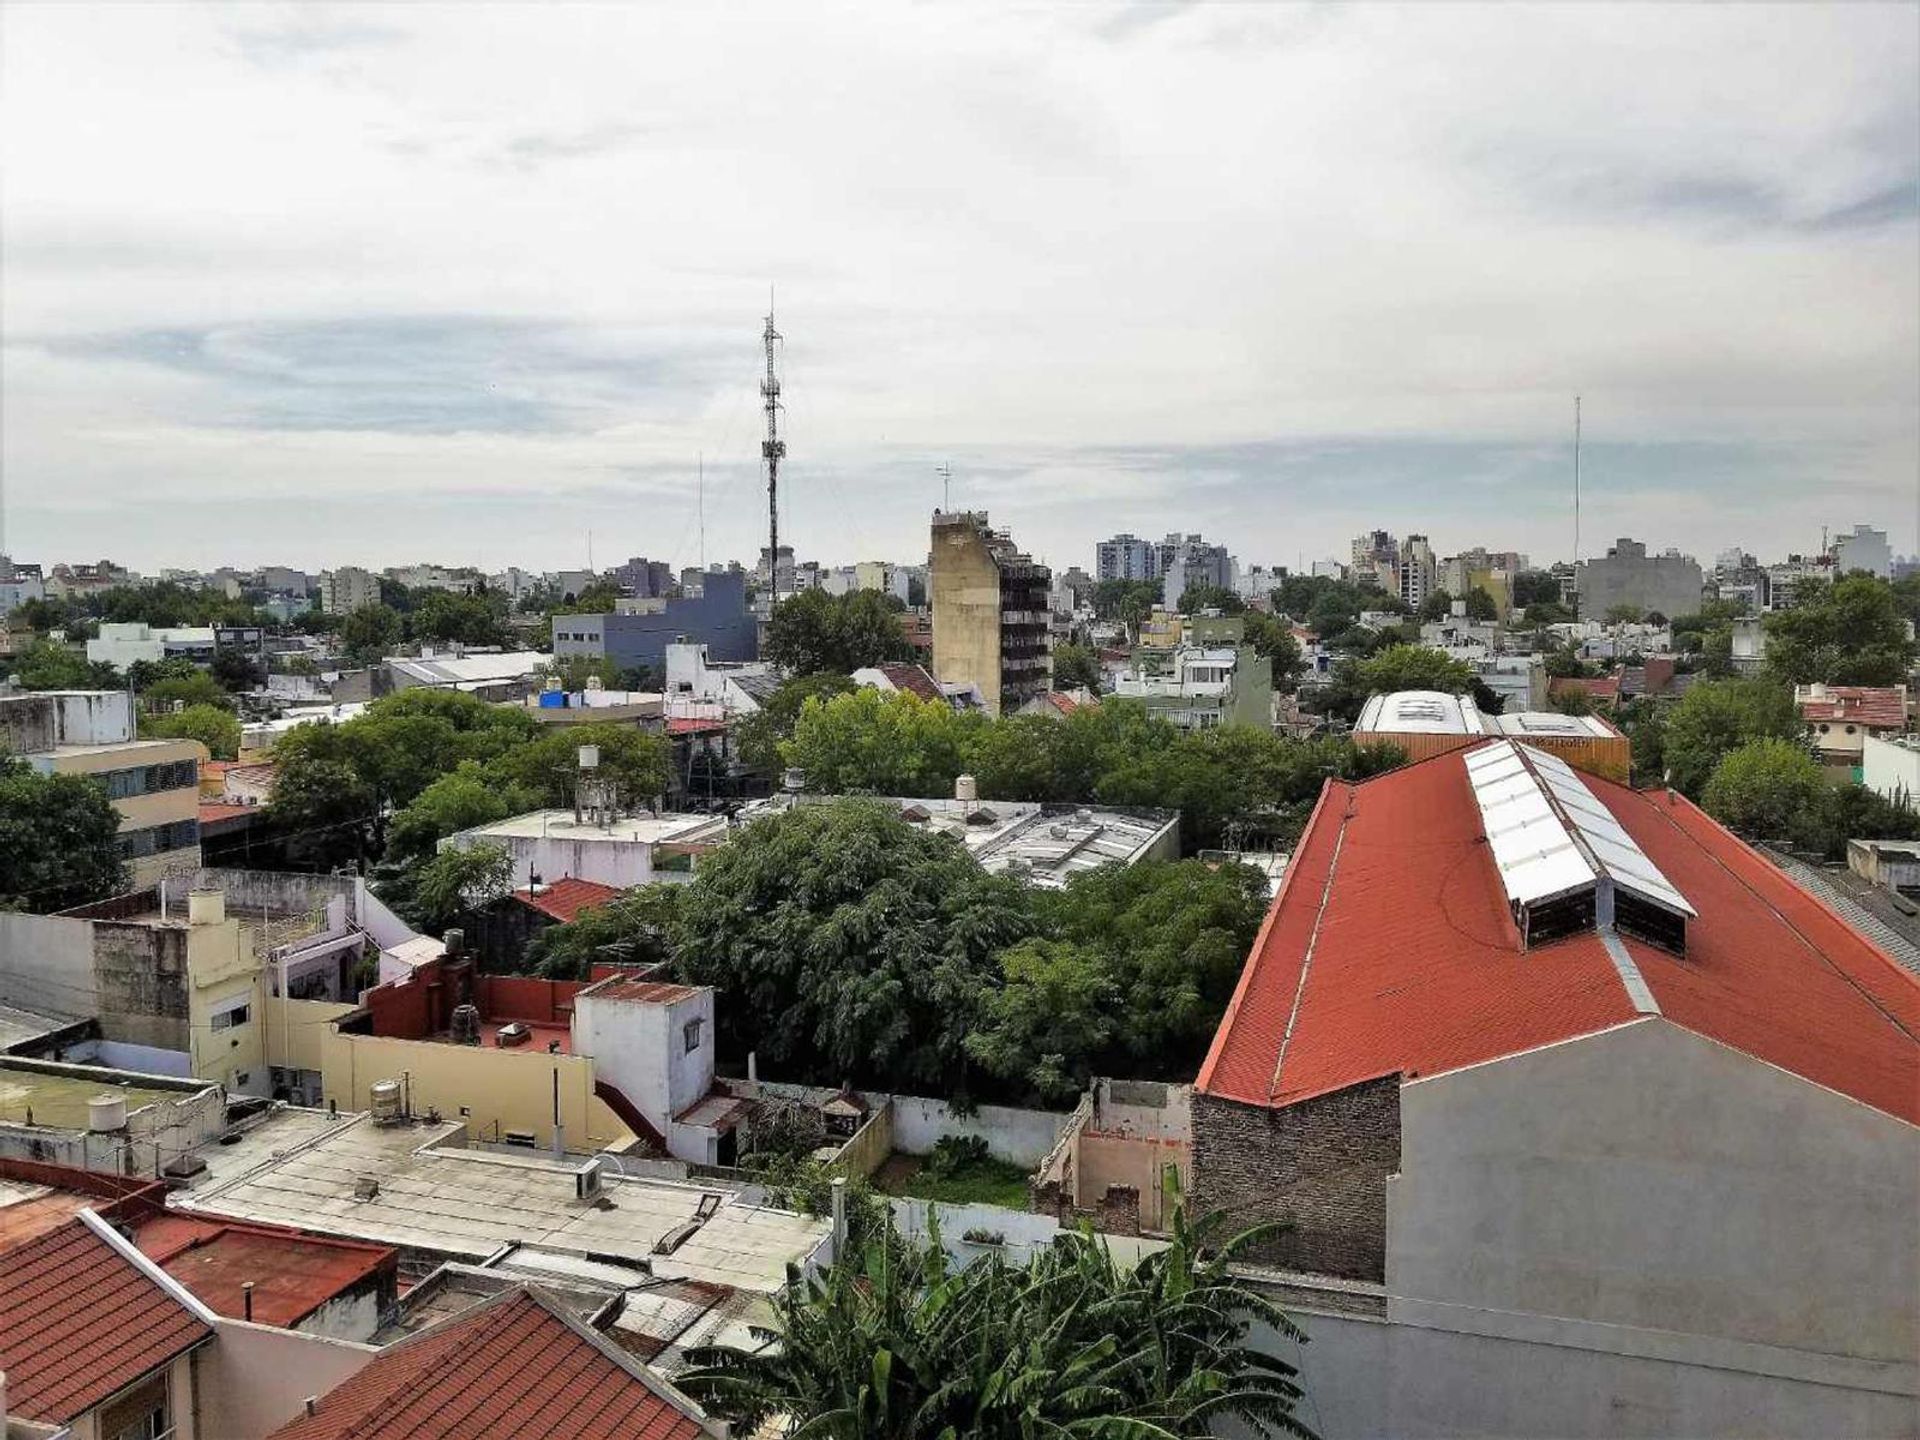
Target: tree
[(814, 631), (1535, 587), (1624, 613), (848, 944), (195, 687), (1197, 598), (1573, 702), (1764, 787), (1076, 667), (758, 737), (212, 726), (897, 1344), (455, 881), (235, 672), (1481, 606), (1414, 667), (1437, 606), (327, 813), (458, 800), (599, 598), (638, 927), (1127, 601), (370, 633), (873, 742), (1718, 716), (1850, 633), (45, 665), (59, 840), (449, 617), (1274, 640), (548, 766)]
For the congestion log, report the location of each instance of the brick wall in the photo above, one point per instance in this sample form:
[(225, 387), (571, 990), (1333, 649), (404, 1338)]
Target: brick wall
[(1321, 1165)]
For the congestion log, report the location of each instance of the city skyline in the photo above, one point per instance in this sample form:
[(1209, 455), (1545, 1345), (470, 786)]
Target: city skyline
[(1166, 268)]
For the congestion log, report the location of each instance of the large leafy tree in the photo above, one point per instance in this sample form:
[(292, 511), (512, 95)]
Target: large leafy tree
[(45, 665), (1076, 667), (1273, 640), (880, 743), (1764, 787), (369, 634), (446, 616), (216, 728), (1850, 633), (1718, 716), (758, 737), (59, 841), (1414, 667), (814, 631), (458, 800), (187, 688), (849, 943), (897, 1344)]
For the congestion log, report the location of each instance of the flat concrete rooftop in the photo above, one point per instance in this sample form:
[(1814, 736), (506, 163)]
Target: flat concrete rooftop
[(60, 1100), (626, 829), (437, 1196)]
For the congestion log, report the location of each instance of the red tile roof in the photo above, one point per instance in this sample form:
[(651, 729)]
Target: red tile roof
[(644, 992), (565, 898), (913, 679), (293, 1274), (1061, 701), (1604, 687), (689, 726), (512, 1366), (212, 810), (1390, 949), (81, 1322), (1876, 707)]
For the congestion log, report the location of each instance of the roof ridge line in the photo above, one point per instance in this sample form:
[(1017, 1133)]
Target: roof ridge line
[(1313, 944)]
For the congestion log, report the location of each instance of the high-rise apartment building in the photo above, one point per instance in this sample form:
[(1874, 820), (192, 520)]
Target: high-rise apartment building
[(1666, 584), (1125, 557), (348, 589), (1419, 572), (1865, 549), (990, 612)]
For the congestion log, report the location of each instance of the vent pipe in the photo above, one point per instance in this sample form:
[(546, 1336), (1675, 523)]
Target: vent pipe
[(839, 1217)]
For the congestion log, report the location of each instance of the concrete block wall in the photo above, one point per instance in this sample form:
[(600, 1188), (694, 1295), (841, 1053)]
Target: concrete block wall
[(1320, 1166)]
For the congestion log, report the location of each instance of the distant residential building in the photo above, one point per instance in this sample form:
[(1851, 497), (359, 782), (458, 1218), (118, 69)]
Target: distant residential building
[(433, 577), (700, 687), (1075, 587), (154, 784), (1125, 557), (717, 617), (68, 582), (648, 579), (1784, 579), (17, 589), (990, 612), (1841, 717), (1256, 582), (1376, 561), (121, 644), (1419, 571), (621, 850), (1214, 679), (887, 578), (1329, 570), (897, 678), (1668, 584), (1864, 548), (1189, 562), (348, 589)]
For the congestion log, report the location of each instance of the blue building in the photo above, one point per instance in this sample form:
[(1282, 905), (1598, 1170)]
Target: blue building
[(718, 618)]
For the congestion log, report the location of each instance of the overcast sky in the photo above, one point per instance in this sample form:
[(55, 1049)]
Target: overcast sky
[(320, 285)]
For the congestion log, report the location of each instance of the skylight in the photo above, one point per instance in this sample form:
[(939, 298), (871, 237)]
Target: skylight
[(1565, 862)]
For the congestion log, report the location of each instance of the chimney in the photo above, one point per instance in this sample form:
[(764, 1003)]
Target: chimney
[(246, 1299), (313, 1404), (206, 907)]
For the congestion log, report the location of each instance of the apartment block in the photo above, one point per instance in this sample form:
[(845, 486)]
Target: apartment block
[(990, 612)]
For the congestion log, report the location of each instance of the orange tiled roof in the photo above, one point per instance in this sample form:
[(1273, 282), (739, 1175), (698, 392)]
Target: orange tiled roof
[(565, 898)]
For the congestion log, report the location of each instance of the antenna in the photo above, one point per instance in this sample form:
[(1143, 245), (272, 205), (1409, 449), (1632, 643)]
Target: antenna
[(1576, 507), (590, 550), (702, 502), (945, 472), (773, 450)]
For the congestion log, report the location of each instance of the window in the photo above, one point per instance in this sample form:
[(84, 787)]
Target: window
[(139, 1414), (227, 1019), (690, 1032)]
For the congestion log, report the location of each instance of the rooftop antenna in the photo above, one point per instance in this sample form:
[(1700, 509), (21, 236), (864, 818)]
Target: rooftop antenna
[(590, 550), (945, 472), (1576, 507), (773, 450), (702, 502)]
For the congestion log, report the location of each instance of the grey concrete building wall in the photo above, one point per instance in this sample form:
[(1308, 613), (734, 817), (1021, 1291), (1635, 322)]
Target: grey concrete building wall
[(1627, 575), (46, 965), (1320, 1166), (1646, 1177)]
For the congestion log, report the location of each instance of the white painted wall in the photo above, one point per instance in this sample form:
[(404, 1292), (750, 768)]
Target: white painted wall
[(1020, 1137), (1646, 1177), (1891, 770), (255, 1378), (641, 1049)]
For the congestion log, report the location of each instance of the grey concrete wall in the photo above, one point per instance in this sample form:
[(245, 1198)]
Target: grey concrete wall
[(140, 972), (1648, 1177), (46, 964), (1374, 1380)]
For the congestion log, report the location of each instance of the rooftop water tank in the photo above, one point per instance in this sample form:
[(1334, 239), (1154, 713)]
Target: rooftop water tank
[(107, 1112)]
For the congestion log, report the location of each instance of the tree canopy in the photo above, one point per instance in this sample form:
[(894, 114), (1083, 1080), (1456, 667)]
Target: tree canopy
[(814, 631), (1763, 787), (214, 727), (1715, 717), (59, 840), (1076, 667), (48, 665), (1849, 633)]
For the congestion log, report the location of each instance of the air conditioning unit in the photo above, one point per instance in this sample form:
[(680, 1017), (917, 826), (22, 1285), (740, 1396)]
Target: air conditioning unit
[(588, 1180)]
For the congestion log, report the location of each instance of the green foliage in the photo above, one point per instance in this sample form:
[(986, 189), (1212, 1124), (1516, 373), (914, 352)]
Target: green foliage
[(1565, 664), (1853, 812), (547, 766), (1625, 613), (195, 687), (166, 603), (59, 840), (1126, 601), (574, 672), (1719, 716), (1197, 598), (1414, 667), (1764, 786), (1437, 606), (212, 726), (880, 743), (1850, 633), (961, 1172), (758, 737), (599, 598), (804, 1184), (849, 943), (370, 634), (1076, 667), (143, 675), (458, 800), (1273, 640), (814, 631), (894, 1343), (1535, 587), (448, 616), (455, 881), (234, 671), (1481, 605), (639, 927), (47, 665), (1572, 702)]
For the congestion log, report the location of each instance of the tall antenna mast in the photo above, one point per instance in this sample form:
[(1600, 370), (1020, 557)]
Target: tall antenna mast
[(945, 472), (1576, 507), (702, 502), (773, 449)]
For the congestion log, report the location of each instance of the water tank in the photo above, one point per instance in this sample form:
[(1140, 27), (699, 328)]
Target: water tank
[(107, 1112), (206, 907), (589, 757), (965, 788), (386, 1101)]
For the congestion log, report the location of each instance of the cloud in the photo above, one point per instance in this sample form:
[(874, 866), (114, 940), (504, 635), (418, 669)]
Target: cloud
[(1278, 272)]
